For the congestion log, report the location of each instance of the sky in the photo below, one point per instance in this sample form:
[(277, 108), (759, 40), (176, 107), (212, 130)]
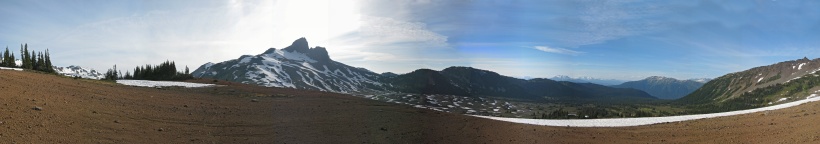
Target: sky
[(609, 39)]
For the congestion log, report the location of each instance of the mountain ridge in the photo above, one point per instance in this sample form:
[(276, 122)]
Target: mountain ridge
[(587, 80), (663, 87), (757, 87), (470, 81)]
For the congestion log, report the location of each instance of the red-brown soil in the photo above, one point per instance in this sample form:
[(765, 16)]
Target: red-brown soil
[(88, 111)]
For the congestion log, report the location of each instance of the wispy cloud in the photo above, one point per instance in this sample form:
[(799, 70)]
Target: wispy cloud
[(600, 21), (557, 50)]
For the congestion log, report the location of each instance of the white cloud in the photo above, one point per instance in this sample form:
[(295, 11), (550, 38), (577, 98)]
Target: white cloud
[(380, 32), (379, 42), (557, 50)]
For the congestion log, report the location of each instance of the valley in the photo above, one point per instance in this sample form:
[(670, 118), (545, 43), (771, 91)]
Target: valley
[(517, 108)]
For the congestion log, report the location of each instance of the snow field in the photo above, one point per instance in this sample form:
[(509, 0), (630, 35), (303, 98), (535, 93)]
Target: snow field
[(147, 83), (625, 122), (6, 68)]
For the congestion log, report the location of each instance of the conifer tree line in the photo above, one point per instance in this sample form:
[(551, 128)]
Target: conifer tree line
[(32, 60), (164, 71)]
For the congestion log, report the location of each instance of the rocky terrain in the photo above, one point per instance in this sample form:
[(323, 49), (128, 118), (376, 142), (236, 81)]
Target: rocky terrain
[(41, 108)]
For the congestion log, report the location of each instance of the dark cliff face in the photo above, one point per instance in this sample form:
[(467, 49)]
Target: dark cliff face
[(301, 46)]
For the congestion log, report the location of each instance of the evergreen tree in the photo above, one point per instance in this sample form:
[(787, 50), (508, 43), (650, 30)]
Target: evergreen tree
[(111, 74), (12, 60), (49, 67), (136, 73), (128, 75), (3, 59), (23, 58), (164, 71), (41, 62), (33, 60), (7, 58), (30, 57)]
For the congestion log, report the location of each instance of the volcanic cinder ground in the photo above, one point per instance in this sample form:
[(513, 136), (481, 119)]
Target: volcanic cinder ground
[(88, 111)]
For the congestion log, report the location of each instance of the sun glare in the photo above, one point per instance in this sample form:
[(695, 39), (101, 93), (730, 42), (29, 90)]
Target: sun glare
[(318, 20)]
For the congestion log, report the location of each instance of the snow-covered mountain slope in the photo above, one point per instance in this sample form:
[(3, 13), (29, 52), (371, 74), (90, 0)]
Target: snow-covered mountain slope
[(760, 85), (296, 66), (701, 80), (77, 71), (587, 80)]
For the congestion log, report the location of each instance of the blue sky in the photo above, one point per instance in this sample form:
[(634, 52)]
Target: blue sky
[(621, 39)]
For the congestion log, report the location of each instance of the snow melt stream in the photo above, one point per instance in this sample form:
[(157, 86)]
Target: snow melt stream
[(147, 83), (624, 122)]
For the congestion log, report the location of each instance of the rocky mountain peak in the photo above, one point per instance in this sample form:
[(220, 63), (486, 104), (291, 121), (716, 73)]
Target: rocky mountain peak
[(301, 46)]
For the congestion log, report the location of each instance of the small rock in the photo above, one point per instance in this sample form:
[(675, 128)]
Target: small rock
[(254, 100), (116, 121), (160, 129), (37, 108), (185, 106), (383, 129)]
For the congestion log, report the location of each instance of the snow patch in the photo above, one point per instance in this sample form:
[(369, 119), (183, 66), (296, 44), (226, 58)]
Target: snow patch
[(208, 65), (7, 68), (296, 56), (800, 66), (245, 60), (147, 83)]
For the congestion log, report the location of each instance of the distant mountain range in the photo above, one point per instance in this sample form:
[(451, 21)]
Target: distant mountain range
[(469, 81), (587, 80), (299, 66), (664, 87)]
